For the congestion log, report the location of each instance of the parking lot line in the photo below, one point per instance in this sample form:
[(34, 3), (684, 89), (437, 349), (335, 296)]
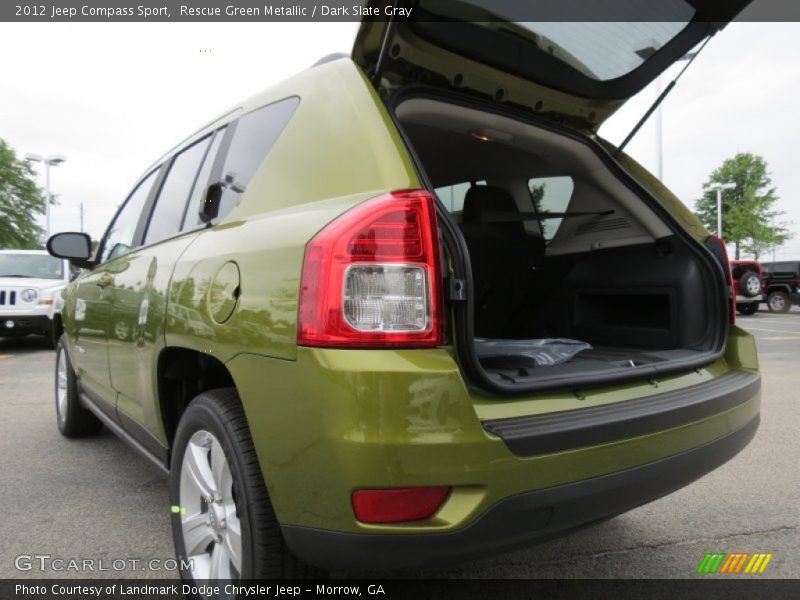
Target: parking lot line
[(787, 319), (770, 330), (783, 338), (781, 318)]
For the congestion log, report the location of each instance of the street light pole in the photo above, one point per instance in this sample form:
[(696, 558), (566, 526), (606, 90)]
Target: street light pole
[(50, 161), (660, 121), (718, 187), (48, 200)]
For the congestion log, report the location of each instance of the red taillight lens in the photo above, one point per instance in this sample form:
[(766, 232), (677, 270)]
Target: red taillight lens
[(399, 504), (372, 277), (722, 251)]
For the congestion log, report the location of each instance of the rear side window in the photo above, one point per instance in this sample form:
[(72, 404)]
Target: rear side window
[(167, 216), (738, 270), (192, 217), (120, 237), (551, 194), (253, 138)]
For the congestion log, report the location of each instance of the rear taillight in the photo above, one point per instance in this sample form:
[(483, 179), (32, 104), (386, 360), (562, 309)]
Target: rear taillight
[(721, 253), (372, 277)]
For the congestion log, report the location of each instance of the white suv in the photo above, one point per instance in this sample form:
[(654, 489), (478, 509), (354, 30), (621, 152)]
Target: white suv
[(30, 286)]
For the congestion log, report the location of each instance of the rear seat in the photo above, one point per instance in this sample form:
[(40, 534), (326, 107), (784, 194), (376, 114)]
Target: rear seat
[(503, 258)]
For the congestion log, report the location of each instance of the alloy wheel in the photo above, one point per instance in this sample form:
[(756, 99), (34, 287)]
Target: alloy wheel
[(777, 302), (212, 534)]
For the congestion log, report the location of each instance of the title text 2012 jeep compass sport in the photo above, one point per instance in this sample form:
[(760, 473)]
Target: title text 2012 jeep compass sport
[(408, 308)]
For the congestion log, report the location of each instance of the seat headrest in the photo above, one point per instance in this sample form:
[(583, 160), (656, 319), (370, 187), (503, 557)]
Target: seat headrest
[(486, 198)]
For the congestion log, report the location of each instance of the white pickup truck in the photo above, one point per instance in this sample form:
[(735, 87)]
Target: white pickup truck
[(30, 284)]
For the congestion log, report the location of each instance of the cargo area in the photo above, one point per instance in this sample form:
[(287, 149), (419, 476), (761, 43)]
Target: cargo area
[(575, 278)]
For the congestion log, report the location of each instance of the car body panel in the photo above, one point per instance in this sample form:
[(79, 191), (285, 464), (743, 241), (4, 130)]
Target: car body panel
[(138, 316), (87, 334), (397, 418)]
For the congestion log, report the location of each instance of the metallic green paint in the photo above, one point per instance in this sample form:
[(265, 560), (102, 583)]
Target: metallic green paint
[(223, 292), (337, 420)]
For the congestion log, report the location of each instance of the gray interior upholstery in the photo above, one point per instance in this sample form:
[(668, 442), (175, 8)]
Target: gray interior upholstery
[(504, 258)]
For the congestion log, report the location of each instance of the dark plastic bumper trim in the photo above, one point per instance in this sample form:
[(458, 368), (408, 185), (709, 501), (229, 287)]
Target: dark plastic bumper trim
[(556, 432)]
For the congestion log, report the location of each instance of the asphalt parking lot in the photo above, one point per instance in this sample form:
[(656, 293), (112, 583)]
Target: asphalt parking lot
[(95, 498)]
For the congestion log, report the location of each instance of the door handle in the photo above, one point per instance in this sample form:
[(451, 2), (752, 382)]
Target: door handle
[(105, 280)]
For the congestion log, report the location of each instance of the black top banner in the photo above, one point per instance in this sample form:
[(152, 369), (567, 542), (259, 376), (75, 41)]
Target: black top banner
[(355, 10)]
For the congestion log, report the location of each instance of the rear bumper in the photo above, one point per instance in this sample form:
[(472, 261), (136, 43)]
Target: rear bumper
[(16, 324), (750, 299), (561, 431), (519, 520), (335, 421)]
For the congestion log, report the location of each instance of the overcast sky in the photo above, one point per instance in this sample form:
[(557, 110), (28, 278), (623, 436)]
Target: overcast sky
[(113, 97)]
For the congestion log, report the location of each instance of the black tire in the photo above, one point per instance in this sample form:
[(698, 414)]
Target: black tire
[(749, 284), (50, 339), (778, 302), (748, 309), (264, 554), (73, 419)]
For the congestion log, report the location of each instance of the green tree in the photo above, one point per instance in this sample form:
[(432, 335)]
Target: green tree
[(20, 202), (537, 194), (748, 214)]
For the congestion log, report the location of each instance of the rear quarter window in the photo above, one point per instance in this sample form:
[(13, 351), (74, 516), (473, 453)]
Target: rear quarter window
[(254, 136), (551, 195), (738, 270)]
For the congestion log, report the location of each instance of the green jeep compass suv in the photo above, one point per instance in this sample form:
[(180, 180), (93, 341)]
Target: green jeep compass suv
[(407, 308)]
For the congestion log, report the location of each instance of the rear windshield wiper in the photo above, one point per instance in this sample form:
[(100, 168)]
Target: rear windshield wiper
[(26, 276)]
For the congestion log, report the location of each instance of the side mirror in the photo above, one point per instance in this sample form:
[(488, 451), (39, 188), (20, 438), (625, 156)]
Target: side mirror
[(75, 247)]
